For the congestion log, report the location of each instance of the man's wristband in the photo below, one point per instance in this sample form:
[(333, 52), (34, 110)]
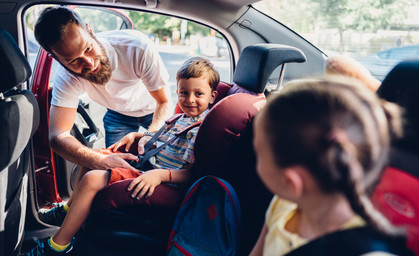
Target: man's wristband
[(147, 133)]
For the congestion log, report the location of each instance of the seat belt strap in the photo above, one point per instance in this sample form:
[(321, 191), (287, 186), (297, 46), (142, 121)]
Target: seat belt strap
[(150, 153)]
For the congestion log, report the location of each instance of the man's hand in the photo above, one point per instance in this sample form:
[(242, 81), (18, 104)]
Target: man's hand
[(141, 144), (61, 122), (119, 160), (145, 184), (127, 141)]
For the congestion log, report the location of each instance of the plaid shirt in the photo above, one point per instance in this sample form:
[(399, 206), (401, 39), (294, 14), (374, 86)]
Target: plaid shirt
[(179, 153)]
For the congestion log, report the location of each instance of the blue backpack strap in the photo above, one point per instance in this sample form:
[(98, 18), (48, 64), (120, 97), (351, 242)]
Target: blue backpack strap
[(354, 241)]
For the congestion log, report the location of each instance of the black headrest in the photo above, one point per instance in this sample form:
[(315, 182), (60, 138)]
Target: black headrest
[(257, 62), (14, 67), (401, 86)]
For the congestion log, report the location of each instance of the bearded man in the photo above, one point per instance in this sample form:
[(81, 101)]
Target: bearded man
[(120, 70)]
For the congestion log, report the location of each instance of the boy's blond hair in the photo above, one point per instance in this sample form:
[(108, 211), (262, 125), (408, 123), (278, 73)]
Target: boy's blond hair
[(196, 67)]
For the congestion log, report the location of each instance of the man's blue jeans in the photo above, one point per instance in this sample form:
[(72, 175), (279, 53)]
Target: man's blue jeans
[(118, 125)]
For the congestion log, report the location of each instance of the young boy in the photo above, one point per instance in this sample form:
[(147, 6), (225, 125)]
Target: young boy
[(196, 84)]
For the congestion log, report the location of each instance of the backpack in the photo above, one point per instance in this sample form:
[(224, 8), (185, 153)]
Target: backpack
[(208, 220)]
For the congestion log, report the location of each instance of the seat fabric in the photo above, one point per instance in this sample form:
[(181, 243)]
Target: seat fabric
[(396, 194), (19, 119)]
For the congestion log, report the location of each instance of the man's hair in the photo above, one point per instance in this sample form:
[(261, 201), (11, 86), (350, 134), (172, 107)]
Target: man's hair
[(196, 67), (52, 23)]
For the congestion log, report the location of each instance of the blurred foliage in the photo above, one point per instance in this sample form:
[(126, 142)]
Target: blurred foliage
[(162, 26), (304, 16), (359, 26)]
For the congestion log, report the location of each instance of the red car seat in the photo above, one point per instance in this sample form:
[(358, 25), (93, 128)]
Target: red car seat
[(396, 196), (223, 148)]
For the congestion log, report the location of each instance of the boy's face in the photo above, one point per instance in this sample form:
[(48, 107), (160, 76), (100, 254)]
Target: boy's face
[(194, 95)]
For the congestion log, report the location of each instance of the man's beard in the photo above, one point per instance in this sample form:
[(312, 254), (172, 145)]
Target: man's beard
[(103, 75)]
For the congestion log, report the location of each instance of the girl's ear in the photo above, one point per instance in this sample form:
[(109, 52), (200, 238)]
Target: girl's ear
[(294, 181), (213, 96)]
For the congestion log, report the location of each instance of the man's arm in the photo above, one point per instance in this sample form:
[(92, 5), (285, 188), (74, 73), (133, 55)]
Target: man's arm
[(62, 142), (162, 111)]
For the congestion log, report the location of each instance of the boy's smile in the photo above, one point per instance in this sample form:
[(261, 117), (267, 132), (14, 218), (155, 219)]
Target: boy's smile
[(195, 95)]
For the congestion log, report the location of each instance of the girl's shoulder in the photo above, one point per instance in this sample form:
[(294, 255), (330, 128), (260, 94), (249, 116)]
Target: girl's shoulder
[(280, 210)]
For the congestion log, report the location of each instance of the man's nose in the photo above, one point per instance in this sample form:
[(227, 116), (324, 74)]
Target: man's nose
[(89, 62)]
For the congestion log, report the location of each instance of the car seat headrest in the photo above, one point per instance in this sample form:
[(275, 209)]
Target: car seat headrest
[(401, 86), (15, 68), (257, 62)]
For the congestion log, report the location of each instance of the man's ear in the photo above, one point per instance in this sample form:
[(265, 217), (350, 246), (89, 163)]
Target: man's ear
[(213, 96), (294, 181)]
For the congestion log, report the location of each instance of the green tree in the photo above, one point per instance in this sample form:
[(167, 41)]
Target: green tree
[(366, 16), (162, 26), (311, 18), (150, 23)]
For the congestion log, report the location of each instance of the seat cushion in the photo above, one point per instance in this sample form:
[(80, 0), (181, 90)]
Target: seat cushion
[(396, 197)]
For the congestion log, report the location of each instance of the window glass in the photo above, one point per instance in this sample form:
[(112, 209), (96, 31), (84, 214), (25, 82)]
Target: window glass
[(377, 33)]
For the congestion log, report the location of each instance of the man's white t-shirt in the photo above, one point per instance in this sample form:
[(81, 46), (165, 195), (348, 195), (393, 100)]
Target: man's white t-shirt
[(136, 69)]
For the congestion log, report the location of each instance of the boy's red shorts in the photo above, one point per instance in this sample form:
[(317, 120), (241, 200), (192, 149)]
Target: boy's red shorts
[(118, 174)]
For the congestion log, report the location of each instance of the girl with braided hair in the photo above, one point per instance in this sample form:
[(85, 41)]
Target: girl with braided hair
[(321, 147)]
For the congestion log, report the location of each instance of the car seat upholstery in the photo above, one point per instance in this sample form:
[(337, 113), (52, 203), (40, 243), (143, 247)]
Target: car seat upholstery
[(223, 145), (396, 194), (19, 119)]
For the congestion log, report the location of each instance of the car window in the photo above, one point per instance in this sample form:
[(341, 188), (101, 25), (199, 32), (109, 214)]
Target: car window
[(376, 33)]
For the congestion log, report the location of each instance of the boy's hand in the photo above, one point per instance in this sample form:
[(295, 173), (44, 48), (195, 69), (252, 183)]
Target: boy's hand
[(126, 141), (142, 143), (145, 184)]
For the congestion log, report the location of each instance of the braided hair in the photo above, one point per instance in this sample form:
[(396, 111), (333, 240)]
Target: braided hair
[(338, 130)]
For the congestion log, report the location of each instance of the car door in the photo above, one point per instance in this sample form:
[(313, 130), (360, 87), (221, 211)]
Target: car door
[(54, 176)]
